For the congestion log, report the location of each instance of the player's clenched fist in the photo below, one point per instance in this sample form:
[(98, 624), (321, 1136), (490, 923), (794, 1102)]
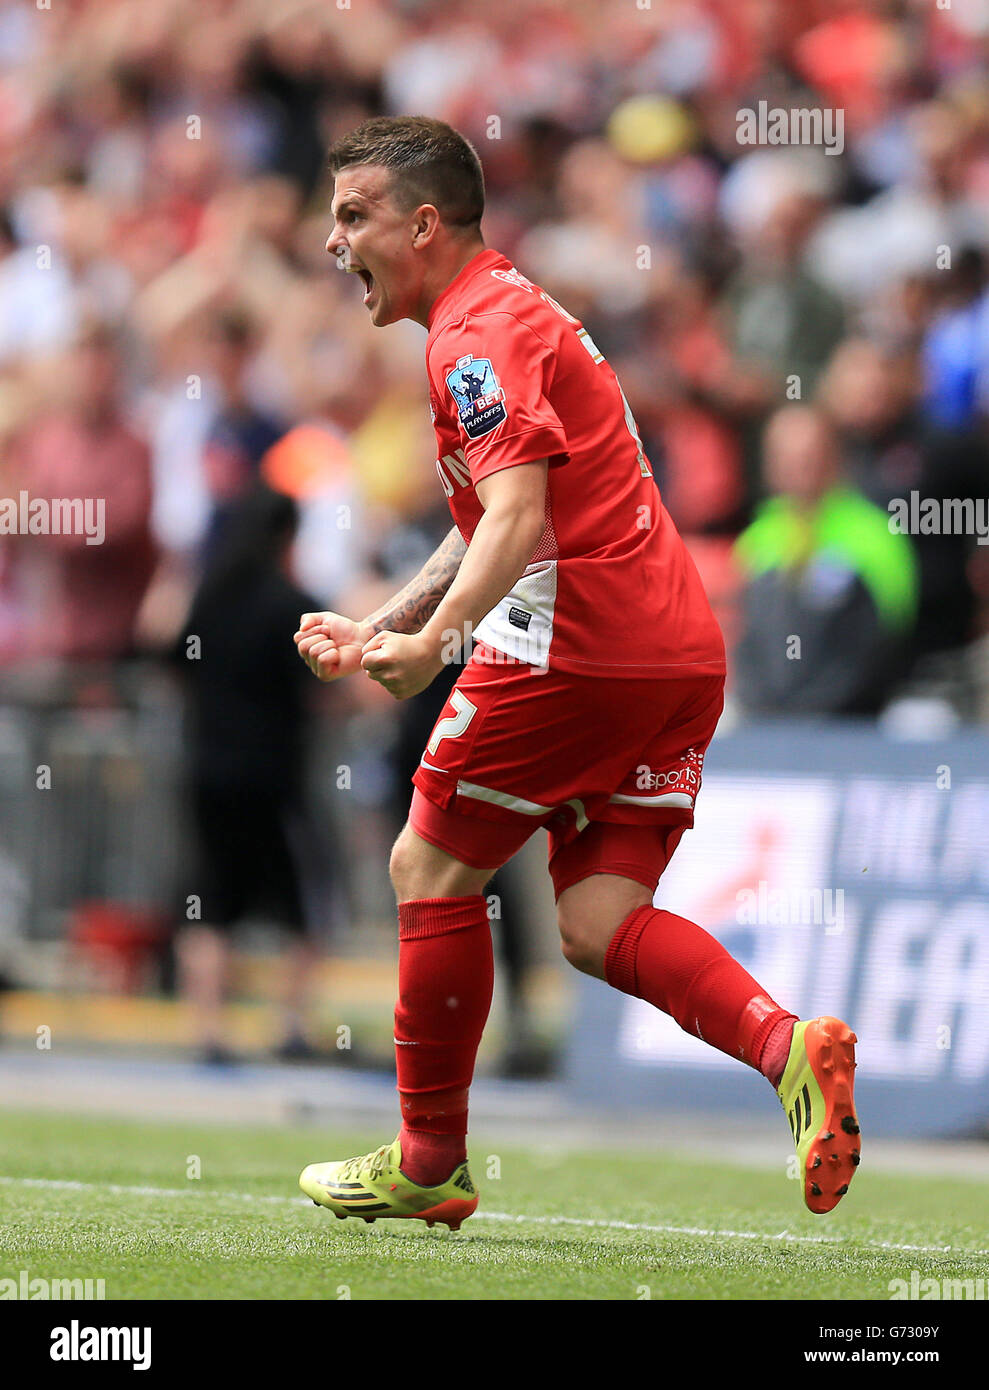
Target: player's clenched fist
[(331, 644), (403, 664)]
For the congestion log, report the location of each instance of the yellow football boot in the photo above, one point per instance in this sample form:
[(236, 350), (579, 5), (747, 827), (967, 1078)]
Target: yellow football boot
[(815, 1091), (374, 1185)]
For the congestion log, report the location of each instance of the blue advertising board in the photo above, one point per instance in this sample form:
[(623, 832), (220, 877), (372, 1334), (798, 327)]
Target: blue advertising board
[(849, 874)]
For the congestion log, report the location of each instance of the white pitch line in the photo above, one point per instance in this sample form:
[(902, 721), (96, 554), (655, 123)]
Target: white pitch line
[(587, 1223)]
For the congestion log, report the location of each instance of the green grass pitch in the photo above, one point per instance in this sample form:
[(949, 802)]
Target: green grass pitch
[(112, 1200)]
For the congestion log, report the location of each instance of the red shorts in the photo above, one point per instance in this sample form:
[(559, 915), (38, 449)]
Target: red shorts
[(517, 747)]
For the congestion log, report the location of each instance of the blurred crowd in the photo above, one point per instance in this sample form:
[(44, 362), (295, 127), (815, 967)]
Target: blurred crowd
[(803, 336)]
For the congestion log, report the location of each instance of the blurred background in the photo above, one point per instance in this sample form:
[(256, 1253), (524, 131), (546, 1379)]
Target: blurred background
[(194, 832)]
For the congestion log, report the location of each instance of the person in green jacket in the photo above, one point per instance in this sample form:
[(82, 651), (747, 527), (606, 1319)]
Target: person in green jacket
[(830, 592)]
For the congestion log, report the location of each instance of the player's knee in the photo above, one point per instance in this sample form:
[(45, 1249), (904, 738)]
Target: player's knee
[(581, 944), (402, 864), (419, 869)]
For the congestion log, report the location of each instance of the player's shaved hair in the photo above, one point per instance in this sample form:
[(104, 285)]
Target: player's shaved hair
[(429, 160)]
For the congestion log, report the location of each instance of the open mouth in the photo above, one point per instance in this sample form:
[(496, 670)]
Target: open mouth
[(344, 262), (368, 279)]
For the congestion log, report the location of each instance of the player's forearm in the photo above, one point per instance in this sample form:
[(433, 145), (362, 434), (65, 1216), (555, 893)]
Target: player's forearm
[(409, 610), (499, 552)]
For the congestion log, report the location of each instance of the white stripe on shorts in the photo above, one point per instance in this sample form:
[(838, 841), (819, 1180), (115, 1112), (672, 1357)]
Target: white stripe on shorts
[(511, 803), (683, 799)]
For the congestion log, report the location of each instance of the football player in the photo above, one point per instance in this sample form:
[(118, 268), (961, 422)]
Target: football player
[(595, 685)]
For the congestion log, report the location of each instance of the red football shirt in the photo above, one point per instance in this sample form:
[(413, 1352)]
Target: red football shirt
[(611, 589)]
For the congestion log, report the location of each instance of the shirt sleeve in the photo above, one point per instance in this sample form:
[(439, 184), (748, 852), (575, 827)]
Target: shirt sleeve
[(492, 373)]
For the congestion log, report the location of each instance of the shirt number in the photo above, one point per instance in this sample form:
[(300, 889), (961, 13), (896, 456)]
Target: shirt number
[(589, 345)]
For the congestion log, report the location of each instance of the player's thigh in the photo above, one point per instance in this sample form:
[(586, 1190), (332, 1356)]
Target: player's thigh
[(485, 782), (422, 869)]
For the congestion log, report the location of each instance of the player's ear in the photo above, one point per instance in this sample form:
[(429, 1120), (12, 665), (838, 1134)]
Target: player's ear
[(425, 225)]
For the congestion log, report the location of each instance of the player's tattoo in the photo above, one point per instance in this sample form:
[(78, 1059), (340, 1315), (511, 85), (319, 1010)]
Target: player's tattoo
[(410, 610)]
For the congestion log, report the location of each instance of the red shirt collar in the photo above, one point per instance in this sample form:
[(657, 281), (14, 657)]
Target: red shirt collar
[(484, 260)]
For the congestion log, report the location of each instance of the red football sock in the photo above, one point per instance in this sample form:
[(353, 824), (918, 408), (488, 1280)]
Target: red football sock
[(776, 1049), (678, 967), (445, 982)]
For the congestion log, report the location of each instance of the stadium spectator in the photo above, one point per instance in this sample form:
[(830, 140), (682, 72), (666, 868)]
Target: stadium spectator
[(893, 449), (956, 348), (247, 707), (785, 322), (88, 585), (830, 593), (241, 434)]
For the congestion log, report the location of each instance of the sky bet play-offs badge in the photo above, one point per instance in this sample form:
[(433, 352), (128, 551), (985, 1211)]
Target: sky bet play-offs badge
[(480, 399)]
